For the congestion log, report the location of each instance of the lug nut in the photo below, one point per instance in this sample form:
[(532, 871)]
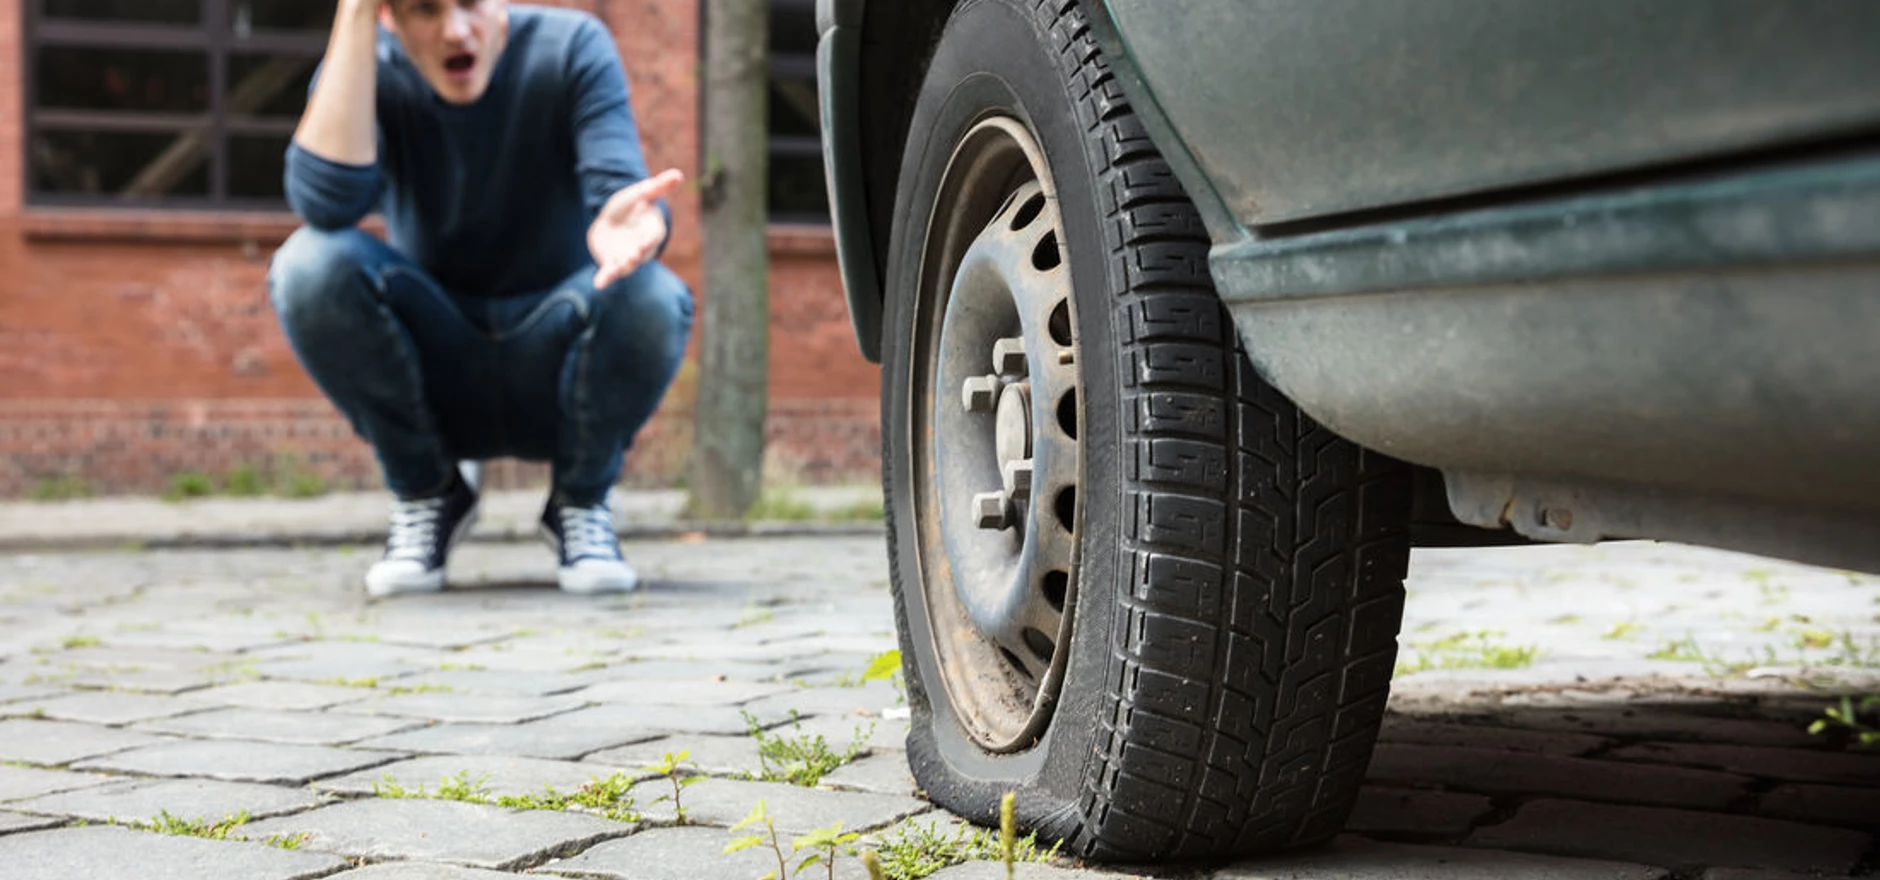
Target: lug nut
[(1008, 357), (1017, 476), (980, 394), (993, 510)]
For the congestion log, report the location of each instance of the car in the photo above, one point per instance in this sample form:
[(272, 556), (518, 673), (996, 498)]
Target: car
[(1195, 317)]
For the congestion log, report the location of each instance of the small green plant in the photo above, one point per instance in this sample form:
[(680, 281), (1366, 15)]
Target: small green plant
[(367, 683), (61, 488), (453, 788), (1847, 716), (1565, 619), (780, 505), (303, 484), (243, 481), (604, 797), (670, 766), (70, 642), (288, 841), (822, 845), (803, 759), (870, 510), (917, 851), (1622, 630), (421, 689), (1468, 651), (169, 824), (187, 485)]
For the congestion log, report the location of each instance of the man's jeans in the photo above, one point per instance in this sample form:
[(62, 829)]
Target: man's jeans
[(568, 375)]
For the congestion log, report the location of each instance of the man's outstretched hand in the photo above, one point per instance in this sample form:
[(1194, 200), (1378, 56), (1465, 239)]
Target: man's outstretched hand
[(630, 228)]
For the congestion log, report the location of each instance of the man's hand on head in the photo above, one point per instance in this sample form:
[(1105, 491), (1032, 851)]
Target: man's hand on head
[(630, 227)]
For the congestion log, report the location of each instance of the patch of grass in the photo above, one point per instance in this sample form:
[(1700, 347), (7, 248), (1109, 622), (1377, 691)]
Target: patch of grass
[(780, 505), (188, 485), (304, 484), (867, 510), (421, 689), (1564, 620), (70, 642), (803, 759), (1476, 650), (1814, 638), (1621, 631), (367, 683), (61, 488), (243, 481), (918, 851), (180, 827), (453, 788), (288, 841), (607, 798)]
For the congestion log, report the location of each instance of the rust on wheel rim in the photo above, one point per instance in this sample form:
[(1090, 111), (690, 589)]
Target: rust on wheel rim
[(997, 408)]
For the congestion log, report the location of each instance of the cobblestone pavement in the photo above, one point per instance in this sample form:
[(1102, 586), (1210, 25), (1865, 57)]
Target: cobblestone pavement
[(1627, 711)]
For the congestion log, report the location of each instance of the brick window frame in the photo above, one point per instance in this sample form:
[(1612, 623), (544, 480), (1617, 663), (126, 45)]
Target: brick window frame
[(198, 138)]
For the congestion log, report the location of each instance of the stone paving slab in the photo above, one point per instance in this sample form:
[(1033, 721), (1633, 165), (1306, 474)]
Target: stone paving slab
[(720, 755), (421, 871), (108, 852), (723, 720), (17, 783), (681, 693), (505, 658), (241, 761), (886, 773), (14, 693), (548, 738), (796, 809), (143, 801), (1644, 723), (1789, 765), (11, 823), (468, 708), (501, 682), (1402, 811), (501, 775), (1673, 838), (694, 670), (62, 742), (267, 725), (218, 637), (875, 734), (1354, 858), (1829, 804), (681, 853), (113, 708), (1433, 732), (1028, 871), (869, 699), (1501, 772), (282, 695), (443, 831), (149, 681)]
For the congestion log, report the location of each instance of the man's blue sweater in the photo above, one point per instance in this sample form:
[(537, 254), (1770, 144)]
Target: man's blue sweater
[(492, 198)]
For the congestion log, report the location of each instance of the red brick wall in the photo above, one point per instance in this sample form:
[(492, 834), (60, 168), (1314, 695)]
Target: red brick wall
[(135, 346)]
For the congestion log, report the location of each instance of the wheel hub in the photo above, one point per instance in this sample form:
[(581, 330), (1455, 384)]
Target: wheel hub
[(1001, 450)]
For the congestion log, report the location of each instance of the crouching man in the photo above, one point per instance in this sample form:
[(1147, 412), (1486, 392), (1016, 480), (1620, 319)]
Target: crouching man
[(518, 309)]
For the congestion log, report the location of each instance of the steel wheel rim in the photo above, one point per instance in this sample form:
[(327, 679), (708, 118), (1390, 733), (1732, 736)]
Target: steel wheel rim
[(996, 423)]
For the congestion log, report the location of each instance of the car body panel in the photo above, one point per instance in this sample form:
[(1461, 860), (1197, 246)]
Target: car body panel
[(1297, 109), (838, 58)]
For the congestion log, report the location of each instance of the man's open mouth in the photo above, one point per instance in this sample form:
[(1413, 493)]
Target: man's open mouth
[(460, 62)]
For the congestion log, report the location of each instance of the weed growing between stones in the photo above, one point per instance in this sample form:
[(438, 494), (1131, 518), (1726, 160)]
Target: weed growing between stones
[(1847, 716), (822, 845), (669, 767), (602, 797), (803, 759), (1468, 651), (167, 823)]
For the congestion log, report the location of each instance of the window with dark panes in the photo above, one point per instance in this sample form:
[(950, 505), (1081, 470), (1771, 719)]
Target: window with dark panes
[(166, 103), (797, 193)]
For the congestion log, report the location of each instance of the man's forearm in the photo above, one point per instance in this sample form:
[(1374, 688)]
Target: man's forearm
[(340, 124)]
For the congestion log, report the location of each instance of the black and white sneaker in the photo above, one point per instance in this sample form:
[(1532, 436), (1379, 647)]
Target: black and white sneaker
[(422, 535), (589, 549)]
